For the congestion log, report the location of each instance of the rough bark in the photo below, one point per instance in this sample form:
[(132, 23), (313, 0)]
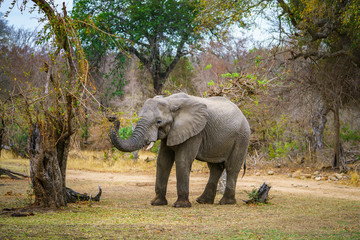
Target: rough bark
[(48, 168), (158, 84), (318, 123), (2, 130)]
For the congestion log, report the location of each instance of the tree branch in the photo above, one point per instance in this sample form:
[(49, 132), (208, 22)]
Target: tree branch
[(287, 10)]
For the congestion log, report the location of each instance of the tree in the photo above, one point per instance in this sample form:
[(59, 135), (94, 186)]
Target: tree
[(157, 32), (51, 110), (324, 33), (328, 34)]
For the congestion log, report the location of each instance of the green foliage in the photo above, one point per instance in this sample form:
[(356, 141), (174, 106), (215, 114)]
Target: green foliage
[(280, 135), (180, 79), (18, 139), (253, 195), (208, 67), (281, 149), (211, 83), (220, 15), (84, 131), (258, 60), (157, 32), (125, 132), (348, 134), (156, 147), (230, 75), (117, 76)]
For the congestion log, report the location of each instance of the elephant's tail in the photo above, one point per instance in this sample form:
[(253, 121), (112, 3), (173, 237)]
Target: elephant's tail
[(244, 169)]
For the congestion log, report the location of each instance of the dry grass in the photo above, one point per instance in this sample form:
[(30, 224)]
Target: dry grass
[(115, 161), (354, 178)]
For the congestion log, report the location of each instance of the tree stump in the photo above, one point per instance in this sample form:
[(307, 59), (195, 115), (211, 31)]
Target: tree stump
[(259, 196), (48, 169)]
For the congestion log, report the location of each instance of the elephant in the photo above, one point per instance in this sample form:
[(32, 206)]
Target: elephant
[(213, 130)]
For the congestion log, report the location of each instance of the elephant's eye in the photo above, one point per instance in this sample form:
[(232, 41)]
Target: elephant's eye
[(158, 121)]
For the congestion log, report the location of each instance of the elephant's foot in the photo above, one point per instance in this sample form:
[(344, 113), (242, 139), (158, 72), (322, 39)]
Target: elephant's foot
[(182, 203), (158, 201), (205, 200), (224, 201)]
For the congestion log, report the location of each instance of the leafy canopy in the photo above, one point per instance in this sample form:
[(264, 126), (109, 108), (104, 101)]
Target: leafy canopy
[(158, 32)]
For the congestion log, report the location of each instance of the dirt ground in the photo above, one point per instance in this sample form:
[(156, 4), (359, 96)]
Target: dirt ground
[(279, 183), (297, 209)]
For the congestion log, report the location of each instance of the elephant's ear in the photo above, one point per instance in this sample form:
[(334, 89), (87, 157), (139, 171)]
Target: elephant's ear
[(190, 117)]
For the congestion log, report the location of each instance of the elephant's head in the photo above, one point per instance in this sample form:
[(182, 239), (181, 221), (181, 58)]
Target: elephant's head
[(175, 118)]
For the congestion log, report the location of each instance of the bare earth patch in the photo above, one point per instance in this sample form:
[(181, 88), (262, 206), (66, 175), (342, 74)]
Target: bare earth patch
[(279, 183)]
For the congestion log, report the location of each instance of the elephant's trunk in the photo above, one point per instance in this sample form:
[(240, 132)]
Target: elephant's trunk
[(135, 142)]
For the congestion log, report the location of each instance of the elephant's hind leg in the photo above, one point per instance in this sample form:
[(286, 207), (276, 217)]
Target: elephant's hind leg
[(233, 167), (209, 193)]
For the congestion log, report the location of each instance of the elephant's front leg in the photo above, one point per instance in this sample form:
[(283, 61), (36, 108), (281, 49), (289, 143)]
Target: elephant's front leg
[(164, 164), (184, 157), (182, 183)]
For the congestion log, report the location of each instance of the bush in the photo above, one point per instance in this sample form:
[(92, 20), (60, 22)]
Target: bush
[(125, 132), (348, 135)]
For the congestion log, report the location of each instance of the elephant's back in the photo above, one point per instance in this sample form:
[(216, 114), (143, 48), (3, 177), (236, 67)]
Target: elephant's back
[(223, 110), (225, 117)]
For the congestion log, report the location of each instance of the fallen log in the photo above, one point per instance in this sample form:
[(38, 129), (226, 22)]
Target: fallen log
[(72, 196)]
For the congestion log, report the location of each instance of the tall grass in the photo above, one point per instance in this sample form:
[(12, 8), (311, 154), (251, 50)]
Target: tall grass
[(115, 161)]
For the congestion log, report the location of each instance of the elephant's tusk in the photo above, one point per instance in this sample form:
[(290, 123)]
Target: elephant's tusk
[(150, 146)]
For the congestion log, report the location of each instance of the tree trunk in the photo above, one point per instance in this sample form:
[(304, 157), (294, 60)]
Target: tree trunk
[(158, 84), (84, 140), (318, 123), (47, 168), (339, 157), (2, 130)]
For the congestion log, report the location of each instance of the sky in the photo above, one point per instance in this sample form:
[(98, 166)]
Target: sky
[(26, 19)]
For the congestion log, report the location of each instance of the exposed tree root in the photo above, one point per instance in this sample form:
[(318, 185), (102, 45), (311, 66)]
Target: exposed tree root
[(11, 174)]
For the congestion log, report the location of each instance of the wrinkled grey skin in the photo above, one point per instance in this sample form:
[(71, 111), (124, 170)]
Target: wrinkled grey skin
[(213, 130)]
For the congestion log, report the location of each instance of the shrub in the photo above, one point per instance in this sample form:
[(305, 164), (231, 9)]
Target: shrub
[(125, 132), (348, 134)]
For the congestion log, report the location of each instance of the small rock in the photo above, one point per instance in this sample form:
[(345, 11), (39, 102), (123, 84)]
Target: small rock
[(290, 175), (338, 176), (278, 165), (296, 174), (333, 178), (257, 174), (316, 173), (318, 178), (270, 172)]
